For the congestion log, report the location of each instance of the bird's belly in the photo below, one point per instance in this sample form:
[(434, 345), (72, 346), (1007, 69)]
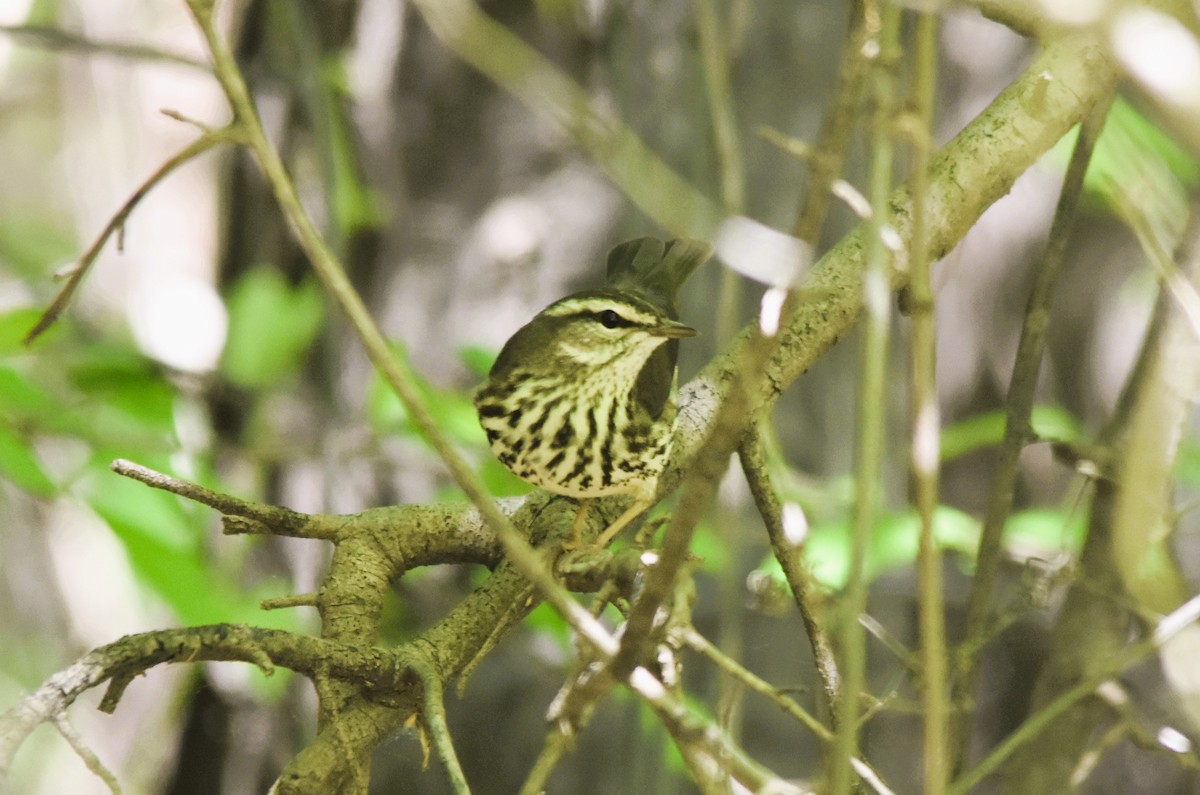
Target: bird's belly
[(581, 450)]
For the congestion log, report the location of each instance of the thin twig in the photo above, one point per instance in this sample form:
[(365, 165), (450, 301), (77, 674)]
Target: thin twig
[(268, 516), (1027, 732), (701, 644), (872, 396), (553, 750), (58, 39), (116, 224), (84, 752), (644, 177), (1018, 407), (926, 421), (435, 721), (715, 57), (790, 556), (829, 153)]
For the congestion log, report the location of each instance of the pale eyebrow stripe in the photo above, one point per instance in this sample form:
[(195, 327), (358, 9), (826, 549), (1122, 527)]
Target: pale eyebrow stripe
[(587, 305)]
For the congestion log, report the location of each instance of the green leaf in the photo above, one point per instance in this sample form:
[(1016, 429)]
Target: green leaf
[(19, 464), (14, 325), (500, 481), (164, 544), (22, 402), (1138, 173), (894, 543), (1050, 423), (271, 327), (34, 245), (1039, 532), (451, 409), (1187, 461), (479, 360), (126, 397), (1043, 532), (709, 546)]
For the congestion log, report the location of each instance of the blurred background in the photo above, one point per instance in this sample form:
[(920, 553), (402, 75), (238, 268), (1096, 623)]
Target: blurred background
[(205, 348)]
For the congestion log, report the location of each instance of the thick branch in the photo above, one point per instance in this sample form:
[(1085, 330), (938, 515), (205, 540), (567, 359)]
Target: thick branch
[(119, 663)]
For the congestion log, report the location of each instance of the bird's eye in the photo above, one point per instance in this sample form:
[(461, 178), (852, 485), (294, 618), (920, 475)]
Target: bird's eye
[(610, 319)]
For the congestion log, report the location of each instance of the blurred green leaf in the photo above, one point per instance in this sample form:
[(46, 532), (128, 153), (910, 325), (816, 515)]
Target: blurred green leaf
[(1044, 532), (165, 548), (1187, 461), (500, 481), (128, 397), (478, 359), (1040, 532), (19, 464), (894, 543), (451, 409), (14, 325), (34, 245), (546, 620), (355, 205), (1050, 423), (22, 402), (709, 546), (271, 327), (1138, 172)]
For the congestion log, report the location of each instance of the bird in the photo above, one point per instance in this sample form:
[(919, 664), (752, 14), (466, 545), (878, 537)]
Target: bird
[(580, 400)]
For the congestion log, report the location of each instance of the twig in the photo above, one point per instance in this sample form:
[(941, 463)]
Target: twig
[(1160, 407), (118, 663), (58, 39), (829, 154), (1019, 405), (116, 224), (987, 157), (715, 59), (434, 711), (272, 517), (703, 738), (926, 423), (699, 643), (553, 749), (704, 471), (791, 561), (1028, 731), (660, 192), (89, 757), (872, 394)]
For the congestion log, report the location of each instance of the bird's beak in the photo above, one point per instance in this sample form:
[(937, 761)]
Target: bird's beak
[(674, 330)]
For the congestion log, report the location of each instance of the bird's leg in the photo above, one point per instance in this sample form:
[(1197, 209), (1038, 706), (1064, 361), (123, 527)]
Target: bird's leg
[(577, 525), (623, 521)]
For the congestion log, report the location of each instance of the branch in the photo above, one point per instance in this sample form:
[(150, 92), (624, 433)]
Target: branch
[(56, 39), (791, 561), (1018, 409), (208, 140), (966, 176), (926, 424), (409, 535), (872, 392), (119, 663)]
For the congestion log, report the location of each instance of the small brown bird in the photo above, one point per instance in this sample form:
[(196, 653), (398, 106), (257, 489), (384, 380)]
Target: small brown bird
[(580, 401)]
